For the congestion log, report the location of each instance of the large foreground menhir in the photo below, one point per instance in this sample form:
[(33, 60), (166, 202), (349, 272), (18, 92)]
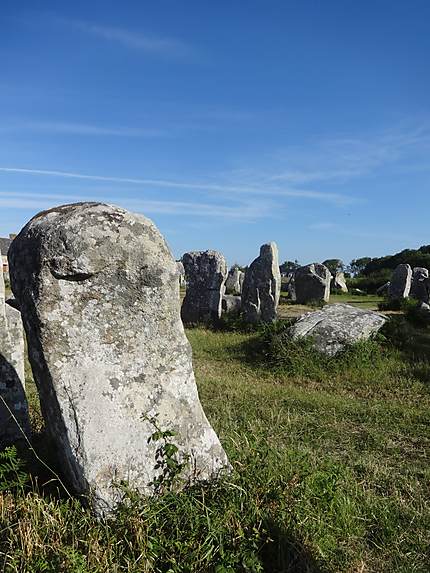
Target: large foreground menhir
[(98, 291)]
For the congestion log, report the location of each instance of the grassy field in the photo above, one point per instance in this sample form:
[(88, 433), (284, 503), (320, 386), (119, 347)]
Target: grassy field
[(330, 473)]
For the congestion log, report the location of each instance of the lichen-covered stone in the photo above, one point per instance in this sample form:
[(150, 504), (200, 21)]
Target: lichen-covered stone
[(99, 295), (400, 284), (312, 283), (205, 273), (337, 326), (234, 282), (262, 286), (420, 286), (14, 421)]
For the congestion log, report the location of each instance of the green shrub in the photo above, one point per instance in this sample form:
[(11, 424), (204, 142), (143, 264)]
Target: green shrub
[(12, 474)]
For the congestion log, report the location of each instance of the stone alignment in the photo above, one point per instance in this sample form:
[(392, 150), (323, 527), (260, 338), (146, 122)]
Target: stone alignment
[(99, 295), (205, 273), (262, 286), (12, 379), (312, 283), (400, 284)]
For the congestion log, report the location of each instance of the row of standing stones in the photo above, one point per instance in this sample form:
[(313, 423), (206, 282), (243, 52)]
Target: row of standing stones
[(98, 292)]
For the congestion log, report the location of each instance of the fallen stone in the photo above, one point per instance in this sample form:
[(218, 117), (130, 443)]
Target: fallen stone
[(312, 283), (99, 295), (262, 286), (400, 284), (336, 326), (205, 272), (231, 304)]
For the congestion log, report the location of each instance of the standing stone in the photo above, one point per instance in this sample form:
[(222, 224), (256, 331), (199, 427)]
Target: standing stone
[(262, 286), (400, 284), (340, 282), (420, 286), (12, 379), (312, 283), (205, 272), (181, 273), (234, 282), (99, 295)]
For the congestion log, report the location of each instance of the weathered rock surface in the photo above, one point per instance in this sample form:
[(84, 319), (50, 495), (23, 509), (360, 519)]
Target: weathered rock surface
[(262, 286), (234, 282), (12, 379), (336, 326), (206, 273), (339, 282), (312, 283), (99, 295), (400, 284), (231, 304), (420, 286)]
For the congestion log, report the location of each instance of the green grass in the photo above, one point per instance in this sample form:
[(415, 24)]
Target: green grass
[(330, 474)]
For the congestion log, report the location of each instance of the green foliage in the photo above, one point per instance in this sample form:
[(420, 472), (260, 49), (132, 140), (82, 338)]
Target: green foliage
[(12, 474), (334, 265), (357, 266), (289, 266), (414, 257), (329, 474), (370, 283), (168, 461)]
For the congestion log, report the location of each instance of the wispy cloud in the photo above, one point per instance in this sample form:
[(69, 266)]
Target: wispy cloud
[(68, 128), (341, 159), (37, 201), (260, 190), (130, 39)]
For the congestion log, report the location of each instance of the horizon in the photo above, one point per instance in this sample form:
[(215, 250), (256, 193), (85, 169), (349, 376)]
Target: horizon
[(307, 125)]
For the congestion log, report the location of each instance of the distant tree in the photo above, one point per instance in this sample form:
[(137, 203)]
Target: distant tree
[(289, 266), (357, 266), (237, 266), (334, 265)]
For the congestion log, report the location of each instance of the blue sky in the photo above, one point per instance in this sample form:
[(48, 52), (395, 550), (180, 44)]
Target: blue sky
[(228, 123)]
